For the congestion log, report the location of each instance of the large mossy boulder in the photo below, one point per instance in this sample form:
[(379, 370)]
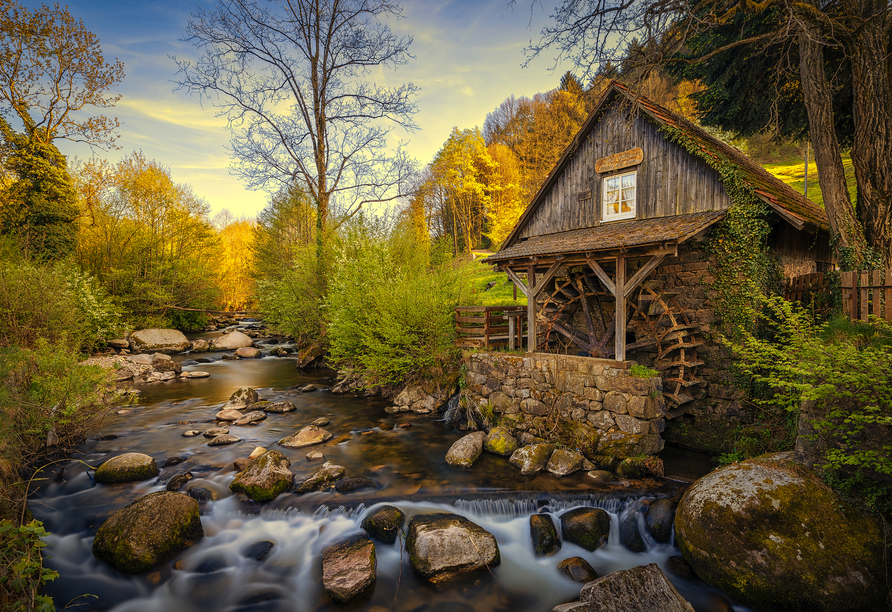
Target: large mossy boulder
[(349, 568), (152, 529), (466, 450), (158, 341), (586, 527), (241, 398), (265, 477), (129, 467), (773, 536), (443, 546)]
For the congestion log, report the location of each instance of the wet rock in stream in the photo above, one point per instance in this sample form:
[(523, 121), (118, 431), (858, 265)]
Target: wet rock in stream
[(265, 477), (659, 519), (348, 485), (129, 467), (499, 441), (152, 529), (466, 450), (176, 483), (213, 432), (578, 569), (639, 589), (544, 535), (228, 414), (349, 568), (384, 524), (258, 550), (307, 436), (587, 527), (224, 440), (564, 462), (443, 546), (629, 536), (532, 459), (327, 474), (242, 398), (254, 416), (279, 407)]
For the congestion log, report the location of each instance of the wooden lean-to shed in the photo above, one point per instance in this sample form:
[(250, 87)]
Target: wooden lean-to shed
[(609, 247)]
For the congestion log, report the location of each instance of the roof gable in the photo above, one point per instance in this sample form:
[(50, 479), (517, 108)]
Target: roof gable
[(789, 204)]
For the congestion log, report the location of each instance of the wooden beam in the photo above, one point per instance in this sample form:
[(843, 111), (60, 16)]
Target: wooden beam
[(575, 336), (585, 311), (641, 274), (602, 275), (541, 282), (517, 282), (620, 318)]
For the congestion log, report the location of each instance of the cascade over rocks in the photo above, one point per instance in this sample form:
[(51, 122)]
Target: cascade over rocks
[(773, 536), (442, 546), (158, 341), (587, 527), (265, 477), (152, 529), (231, 341), (466, 450), (532, 459), (349, 568), (544, 535), (307, 436), (384, 524), (129, 467)]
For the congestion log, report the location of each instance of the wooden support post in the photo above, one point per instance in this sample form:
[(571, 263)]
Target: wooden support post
[(620, 317), (585, 311), (531, 310), (511, 343)]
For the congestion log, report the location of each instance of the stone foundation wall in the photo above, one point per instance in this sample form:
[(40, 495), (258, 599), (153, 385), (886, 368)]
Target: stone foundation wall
[(595, 404)]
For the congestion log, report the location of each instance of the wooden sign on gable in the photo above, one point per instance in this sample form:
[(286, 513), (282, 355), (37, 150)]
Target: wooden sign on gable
[(617, 161)]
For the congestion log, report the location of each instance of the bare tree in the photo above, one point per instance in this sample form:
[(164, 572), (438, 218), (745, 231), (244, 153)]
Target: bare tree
[(595, 33), (51, 69), (291, 77)]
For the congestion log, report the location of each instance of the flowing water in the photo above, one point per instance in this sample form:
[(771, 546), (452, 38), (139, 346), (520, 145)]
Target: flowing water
[(222, 571)]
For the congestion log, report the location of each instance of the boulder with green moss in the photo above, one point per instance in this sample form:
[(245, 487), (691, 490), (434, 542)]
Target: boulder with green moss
[(499, 441), (774, 537), (129, 467), (152, 529), (587, 527), (265, 477), (631, 467)]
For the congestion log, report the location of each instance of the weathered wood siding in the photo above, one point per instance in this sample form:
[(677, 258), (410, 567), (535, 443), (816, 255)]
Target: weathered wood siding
[(670, 180)]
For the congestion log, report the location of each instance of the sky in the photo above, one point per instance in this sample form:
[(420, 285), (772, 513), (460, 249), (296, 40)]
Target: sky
[(468, 57)]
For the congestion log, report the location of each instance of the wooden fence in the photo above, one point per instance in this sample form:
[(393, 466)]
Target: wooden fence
[(867, 293), (490, 326)]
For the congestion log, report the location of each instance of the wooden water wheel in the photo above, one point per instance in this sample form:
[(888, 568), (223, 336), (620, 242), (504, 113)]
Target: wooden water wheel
[(676, 342)]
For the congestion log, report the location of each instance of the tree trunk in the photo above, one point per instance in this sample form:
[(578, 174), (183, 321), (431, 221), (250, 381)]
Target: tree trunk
[(844, 225), (872, 146)]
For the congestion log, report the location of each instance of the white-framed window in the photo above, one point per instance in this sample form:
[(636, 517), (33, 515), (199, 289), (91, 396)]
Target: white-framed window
[(618, 196)]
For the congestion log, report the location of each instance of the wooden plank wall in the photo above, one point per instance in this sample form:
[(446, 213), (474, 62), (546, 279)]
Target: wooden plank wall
[(670, 180)]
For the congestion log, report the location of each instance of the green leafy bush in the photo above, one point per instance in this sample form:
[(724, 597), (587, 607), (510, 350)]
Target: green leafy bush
[(21, 568), (641, 371), (841, 372), (390, 311)]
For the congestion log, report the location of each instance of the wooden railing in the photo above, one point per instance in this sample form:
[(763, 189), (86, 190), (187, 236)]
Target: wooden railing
[(811, 290), (490, 326), (867, 293)]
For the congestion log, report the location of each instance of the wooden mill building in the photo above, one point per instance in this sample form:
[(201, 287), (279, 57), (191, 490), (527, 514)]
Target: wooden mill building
[(609, 252)]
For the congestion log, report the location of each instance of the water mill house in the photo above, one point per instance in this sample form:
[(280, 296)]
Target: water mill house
[(614, 256)]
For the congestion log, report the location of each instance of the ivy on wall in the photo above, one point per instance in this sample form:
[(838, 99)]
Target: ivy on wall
[(742, 265)]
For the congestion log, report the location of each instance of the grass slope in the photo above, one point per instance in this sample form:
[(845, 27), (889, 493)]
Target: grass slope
[(502, 294), (792, 172)]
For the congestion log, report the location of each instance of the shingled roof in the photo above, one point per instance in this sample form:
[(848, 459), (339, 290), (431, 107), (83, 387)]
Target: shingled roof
[(624, 234), (795, 208)]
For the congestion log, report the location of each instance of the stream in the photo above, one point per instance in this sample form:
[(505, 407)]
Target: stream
[(227, 570)]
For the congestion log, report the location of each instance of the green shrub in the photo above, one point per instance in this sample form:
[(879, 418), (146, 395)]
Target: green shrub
[(390, 312), (641, 371), (21, 568), (842, 369)]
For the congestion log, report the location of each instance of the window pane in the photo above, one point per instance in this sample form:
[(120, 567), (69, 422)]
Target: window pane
[(627, 207), (629, 180), (628, 193)]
